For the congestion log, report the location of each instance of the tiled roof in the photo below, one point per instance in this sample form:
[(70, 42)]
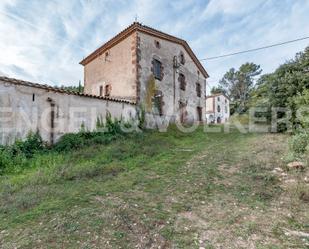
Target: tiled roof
[(136, 26), (59, 90), (216, 95)]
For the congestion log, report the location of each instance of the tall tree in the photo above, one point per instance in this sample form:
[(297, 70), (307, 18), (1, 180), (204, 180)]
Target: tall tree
[(78, 89), (286, 87), (238, 84), (216, 90)]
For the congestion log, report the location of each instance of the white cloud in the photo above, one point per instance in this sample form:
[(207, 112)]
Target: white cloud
[(43, 41), (230, 7), (269, 23)]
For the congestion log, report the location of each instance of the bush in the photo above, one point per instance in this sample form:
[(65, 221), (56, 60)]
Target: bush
[(298, 143), (16, 157), (28, 147), (141, 118), (107, 133), (5, 160), (112, 126), (68, 142)]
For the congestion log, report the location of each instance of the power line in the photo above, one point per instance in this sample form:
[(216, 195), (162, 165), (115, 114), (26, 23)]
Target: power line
[(254, 49)]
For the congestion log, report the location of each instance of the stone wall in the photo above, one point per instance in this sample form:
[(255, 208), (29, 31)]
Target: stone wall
[(51, 113), (169, 85)]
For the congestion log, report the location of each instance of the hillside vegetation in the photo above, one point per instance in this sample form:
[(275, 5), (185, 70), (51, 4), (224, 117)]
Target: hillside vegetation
[(158, 190)]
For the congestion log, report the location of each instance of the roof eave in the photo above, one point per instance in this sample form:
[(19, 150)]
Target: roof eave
[(148, 30)]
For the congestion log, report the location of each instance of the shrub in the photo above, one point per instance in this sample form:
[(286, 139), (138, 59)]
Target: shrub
[(16, 157), (112, 126), (28, 147), (141, 118), (100, 124), (5, 160), (75, 141), (298, 143), (69, 141)]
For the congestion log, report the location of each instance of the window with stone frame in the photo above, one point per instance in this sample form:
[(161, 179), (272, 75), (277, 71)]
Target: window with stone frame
[(218, 108), (108, 90), (157, 69), (198, 90), (182, 81)]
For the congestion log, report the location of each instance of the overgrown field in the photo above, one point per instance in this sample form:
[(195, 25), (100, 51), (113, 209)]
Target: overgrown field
[(159, 190)]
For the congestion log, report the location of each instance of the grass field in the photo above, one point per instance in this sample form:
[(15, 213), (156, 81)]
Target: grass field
[(159, 190)]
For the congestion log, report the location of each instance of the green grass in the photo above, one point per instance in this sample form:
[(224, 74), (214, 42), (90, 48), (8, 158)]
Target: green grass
[(153, 189)]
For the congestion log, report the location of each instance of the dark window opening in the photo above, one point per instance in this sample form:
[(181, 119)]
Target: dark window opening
[(157, 69), (182, 58), (101, 91), (183, 112), (108, 90), (158, 45), (198, 90), (106, 55), (218, 98), (199, 113), (218, 108), (158, 103), (33, 97), (182, 81)]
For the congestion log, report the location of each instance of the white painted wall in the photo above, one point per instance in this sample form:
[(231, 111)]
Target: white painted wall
[(19, 114), (212, 110)]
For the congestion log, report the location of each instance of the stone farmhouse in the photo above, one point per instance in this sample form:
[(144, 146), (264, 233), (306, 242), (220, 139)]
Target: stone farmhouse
[(150, 67), (217, 109), (138, 68)]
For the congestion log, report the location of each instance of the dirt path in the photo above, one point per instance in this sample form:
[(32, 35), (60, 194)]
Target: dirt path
[(252, 205)]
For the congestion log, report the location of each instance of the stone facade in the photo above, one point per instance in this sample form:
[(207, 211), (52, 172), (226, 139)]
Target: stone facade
[(176, 102), (134, 56), (217, 109)]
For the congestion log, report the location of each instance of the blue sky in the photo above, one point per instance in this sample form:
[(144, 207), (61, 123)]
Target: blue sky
[(43, 41)]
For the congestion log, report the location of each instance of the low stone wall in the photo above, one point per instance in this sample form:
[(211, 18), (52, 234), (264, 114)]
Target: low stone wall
[(52, 112)]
